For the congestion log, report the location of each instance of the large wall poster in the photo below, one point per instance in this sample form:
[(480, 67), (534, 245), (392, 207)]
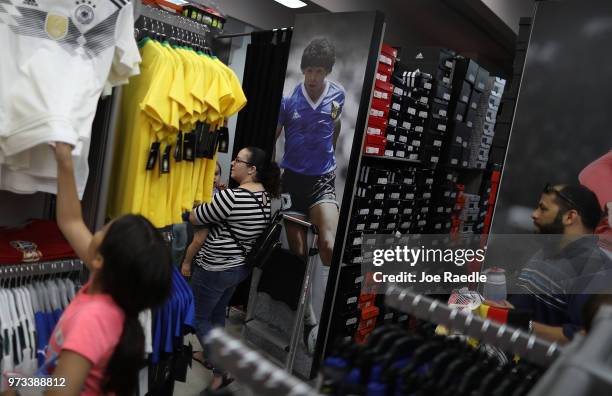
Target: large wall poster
[(318, 117)]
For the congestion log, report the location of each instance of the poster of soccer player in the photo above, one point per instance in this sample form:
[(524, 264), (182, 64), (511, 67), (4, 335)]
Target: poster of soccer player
[(323, 92)]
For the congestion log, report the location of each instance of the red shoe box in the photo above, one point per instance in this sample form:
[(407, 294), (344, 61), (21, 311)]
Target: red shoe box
[(377, 126), (383, 90), (362, 335), (384, 72), (388, 55), (380, 108), (376, 140)]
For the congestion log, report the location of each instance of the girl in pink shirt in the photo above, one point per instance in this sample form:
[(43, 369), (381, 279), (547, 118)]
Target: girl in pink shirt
[(98, 344)]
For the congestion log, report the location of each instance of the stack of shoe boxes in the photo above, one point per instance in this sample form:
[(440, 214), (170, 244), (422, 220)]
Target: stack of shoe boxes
[(469, 214), (469, 82), (484, 127), (508, 101), (346, 322), (426, 75), (376, 131)]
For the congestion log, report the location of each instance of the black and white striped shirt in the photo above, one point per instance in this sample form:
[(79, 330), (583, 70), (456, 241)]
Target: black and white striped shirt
[(236, 207)]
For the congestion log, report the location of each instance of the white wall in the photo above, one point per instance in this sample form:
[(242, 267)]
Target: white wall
[(511, 11)]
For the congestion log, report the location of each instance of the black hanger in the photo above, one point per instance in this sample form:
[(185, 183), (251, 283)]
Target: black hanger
[(492, 380), (474, 375), (457, 368)]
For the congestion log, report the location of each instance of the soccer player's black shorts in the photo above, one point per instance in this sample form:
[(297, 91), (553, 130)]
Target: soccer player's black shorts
[(308, 191)]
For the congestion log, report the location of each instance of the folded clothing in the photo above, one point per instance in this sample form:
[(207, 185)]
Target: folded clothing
[(37, 240)]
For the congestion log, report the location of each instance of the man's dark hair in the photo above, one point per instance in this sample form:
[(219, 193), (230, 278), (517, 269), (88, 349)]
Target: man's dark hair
[(583, 200), (319, 53)]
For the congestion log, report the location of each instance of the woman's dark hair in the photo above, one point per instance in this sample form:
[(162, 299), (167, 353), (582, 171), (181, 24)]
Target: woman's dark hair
[(319, 53), (268, 172), (137, 273)]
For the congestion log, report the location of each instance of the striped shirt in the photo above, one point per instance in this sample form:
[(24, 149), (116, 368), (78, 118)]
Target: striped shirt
[(238, 209), (553, 287)]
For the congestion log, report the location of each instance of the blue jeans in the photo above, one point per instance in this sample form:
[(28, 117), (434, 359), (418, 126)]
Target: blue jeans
[(212, 291)]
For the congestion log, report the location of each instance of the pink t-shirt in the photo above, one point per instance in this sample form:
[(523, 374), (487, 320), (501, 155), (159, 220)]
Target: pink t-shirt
[(90, 326)]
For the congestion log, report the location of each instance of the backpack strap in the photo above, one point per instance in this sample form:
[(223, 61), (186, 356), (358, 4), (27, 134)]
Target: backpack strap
[(229, 228)]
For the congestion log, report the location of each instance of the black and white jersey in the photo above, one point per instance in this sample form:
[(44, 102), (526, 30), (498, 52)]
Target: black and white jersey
[(57, 57)]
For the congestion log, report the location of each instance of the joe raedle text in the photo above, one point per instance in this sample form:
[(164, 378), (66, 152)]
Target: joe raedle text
[(445, 277)]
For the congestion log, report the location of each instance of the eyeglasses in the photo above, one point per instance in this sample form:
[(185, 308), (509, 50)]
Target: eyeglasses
[(238, 161), (550, 189)]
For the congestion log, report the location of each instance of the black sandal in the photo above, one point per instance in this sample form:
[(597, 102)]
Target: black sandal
[(226, 380), (207, 365)]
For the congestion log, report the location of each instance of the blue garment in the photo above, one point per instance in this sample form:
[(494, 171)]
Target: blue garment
[(42, 336), (309, 129), (170, 319), (212, 291)]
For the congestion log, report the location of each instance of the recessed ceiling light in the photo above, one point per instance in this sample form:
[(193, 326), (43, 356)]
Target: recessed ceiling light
[(292, 3)]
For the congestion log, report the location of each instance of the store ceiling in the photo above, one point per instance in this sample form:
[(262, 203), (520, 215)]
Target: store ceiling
[(476, 28)]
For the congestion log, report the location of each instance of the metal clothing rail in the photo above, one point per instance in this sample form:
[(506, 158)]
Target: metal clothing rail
[(232, 35), (40, 268), (584, 368), (252, 369), (505, 337)]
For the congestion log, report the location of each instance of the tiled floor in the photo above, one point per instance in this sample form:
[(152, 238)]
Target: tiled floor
[(198, 377)]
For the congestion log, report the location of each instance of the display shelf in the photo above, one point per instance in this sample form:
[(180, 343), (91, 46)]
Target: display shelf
[(397, 159)]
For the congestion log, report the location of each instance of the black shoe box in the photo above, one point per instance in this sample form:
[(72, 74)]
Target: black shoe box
[(465, 158), (430, 156), (373, 175), (392, 207), (373, 223), (474, 100), (455, 153), (461, 133), (391, 134), (466, 69), (470, 117), (459, 111), (433, 138), (437, 123), (403, 150), (390, 222), (415, 139), (374, 192), (462, 90), (394, 191), (407, 176), (442, 91), (481, 79), (425, 178), (424, 192), (439, 108), (407, 209), (408, 192)]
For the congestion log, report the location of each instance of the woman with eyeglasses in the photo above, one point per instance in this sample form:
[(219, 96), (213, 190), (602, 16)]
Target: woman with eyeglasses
[(236, 217)]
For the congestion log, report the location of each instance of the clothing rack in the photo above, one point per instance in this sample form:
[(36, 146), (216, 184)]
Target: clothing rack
[(505, 337), (172, 20), (225, 36), (166, 24), (40, 268), (252, 369), (584, 368)]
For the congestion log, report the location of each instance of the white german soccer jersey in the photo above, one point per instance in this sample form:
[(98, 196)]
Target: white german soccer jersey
[(57, 57)]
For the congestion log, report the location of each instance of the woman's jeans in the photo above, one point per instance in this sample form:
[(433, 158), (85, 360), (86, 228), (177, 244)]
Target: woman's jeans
[(212, 291)]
